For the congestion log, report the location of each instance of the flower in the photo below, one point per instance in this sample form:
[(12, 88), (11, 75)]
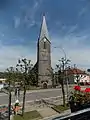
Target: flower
[(78, 88), (87, 90)]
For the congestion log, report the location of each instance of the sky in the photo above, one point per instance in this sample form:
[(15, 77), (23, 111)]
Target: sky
[(68, 24)]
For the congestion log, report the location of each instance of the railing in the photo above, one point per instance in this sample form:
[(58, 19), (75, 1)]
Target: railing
[(79, 115)]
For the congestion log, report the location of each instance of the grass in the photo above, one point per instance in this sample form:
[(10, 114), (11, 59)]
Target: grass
[(28, 116), (60, 108)]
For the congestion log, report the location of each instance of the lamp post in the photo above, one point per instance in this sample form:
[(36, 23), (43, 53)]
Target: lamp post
[(67, 88), (62, 51)]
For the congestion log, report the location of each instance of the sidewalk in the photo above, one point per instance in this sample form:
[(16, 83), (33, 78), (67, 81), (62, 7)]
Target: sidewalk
[(47, 113), (66, 112), (52, 116)]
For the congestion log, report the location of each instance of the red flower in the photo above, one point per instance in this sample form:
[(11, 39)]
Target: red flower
[(77, 88), (87, 90)]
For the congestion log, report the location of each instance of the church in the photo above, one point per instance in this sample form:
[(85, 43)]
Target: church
[(43, 64)]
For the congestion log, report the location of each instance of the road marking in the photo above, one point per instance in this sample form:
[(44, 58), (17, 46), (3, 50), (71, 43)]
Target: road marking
[(44, 90), (34, 91), (34, 100), (4, 95)]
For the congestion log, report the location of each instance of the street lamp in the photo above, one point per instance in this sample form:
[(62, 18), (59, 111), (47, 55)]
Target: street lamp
[(67, 88), (62, 51)]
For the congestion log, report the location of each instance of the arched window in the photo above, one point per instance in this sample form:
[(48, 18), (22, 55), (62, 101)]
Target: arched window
[(44, 45)]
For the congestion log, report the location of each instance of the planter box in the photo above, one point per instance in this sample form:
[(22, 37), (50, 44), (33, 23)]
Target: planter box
[(77, 106)]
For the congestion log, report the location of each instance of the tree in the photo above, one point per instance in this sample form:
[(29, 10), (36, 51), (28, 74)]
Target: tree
[(10, 72), (10, 75), (24, 66), (62, 74), (32, 76)]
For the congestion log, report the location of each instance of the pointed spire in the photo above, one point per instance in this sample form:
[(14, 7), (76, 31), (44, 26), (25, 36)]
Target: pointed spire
[(44, 30)]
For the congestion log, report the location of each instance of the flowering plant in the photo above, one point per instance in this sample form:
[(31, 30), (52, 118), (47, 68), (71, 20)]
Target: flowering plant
[(78, 88), (80, 99), (87, 90)]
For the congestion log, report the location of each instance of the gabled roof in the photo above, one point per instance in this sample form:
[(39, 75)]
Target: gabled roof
[(43, 30), (75, 71)]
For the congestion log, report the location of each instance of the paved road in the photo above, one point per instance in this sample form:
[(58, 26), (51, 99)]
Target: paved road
[(33, 95)]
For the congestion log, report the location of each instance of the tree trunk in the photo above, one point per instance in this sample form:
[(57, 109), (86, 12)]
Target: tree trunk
[(23, 107), (9, 106), (63, 93), (53, 82), (62, 84)]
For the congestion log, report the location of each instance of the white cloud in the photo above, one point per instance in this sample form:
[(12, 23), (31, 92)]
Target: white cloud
[(10, 55), (35, 4), (16, 22), (74, 48), (28, 15), (79, 56), (31, 24), (72, 29), (83, 11)]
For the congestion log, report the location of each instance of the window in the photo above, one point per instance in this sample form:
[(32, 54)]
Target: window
[(44, 45)]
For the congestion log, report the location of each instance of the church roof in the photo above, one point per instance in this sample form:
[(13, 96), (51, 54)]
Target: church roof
[(44, 30)]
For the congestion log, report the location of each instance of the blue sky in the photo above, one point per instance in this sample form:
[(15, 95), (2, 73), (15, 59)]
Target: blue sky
[(68, 25)]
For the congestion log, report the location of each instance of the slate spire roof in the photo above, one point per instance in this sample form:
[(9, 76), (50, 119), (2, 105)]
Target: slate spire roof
[(43, 30)]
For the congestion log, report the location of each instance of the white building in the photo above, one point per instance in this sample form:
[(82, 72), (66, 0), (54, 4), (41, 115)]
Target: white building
[(2, 82), (79, 75)]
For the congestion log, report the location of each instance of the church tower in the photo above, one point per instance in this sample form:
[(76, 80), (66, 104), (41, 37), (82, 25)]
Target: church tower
[(44, 57)]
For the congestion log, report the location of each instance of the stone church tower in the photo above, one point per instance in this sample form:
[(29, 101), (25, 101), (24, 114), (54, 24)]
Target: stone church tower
[(44, 57)]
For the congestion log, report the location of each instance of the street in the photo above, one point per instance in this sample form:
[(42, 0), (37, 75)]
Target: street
[(32, 95)]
